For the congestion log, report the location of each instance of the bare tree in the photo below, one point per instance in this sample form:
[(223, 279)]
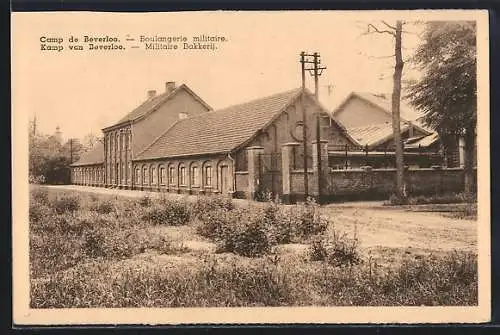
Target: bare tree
[(396, 32)]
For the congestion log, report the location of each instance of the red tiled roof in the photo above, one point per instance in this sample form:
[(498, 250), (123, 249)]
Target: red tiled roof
[(374, 134), (152, 103), (93, 156), (219, 131)]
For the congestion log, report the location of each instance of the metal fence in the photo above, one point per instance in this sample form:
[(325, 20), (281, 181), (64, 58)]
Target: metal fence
[(342, 157)]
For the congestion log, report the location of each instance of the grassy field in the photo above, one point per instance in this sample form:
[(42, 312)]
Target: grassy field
[(98, 250)]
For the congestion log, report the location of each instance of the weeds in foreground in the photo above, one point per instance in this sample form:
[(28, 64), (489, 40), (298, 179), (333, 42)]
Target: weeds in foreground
[(431, 281), (337, 249), (448, 198)]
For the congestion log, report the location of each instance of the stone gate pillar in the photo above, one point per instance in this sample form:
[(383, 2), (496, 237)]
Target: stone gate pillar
[(287, 165), (319, 182), (253, 170)]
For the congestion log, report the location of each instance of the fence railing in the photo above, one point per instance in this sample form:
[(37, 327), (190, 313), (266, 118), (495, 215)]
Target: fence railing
[(346, 157)]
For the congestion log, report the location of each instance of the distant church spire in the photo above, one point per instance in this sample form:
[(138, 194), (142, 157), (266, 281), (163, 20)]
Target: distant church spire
[(58, 134)]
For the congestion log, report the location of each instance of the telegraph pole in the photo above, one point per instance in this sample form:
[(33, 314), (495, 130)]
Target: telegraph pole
[(316, 72), (304, 129)]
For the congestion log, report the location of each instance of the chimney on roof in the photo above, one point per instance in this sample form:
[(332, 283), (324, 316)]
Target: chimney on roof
[(169, 86), (151, 94)]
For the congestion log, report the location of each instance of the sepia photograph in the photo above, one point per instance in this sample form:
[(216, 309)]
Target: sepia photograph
[(251, 167)]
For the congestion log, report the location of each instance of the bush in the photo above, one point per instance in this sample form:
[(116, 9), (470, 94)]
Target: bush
[(36, 179), (448, 198), (145, 201), (279, 224), (206, 204), (307, 219), (394, 200), (339, 250), (213, 223), (171, 213), (241, 231), (66, 203), (104, 207)]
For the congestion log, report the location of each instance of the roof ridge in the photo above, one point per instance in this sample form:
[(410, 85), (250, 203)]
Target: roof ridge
[(228, 108), (257, 99)]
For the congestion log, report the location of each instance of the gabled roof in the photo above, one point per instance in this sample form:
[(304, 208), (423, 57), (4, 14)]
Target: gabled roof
[(406, 112), (219, 131), (375, 134), (153, 103), (92, 157)]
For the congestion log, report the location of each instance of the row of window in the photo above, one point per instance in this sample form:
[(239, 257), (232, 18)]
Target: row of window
[(88, 175), (153, 175), (119, 140)]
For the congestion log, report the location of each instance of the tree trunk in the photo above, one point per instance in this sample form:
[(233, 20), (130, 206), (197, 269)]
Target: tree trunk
[(396, 101), (470, 139)]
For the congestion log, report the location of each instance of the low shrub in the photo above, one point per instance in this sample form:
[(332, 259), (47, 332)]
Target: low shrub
[(448, 198), (247, 239), (395, 200), (212, 223), (169, 212), (104, 207), (206, 204), (145, 201), (468, 212), (307, 219), (278, 224), (337, 249), (66, 203)]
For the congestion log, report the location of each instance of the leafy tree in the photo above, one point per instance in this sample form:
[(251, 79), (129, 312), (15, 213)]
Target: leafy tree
[(446, 93), (49, 159)]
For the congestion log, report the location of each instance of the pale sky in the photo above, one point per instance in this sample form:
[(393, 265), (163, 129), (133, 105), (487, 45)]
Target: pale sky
[(83, 92)]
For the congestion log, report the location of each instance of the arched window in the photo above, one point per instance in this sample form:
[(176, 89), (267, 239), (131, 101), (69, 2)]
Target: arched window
[(144, 175), (153, 175), (171, 175), (182, 175), (162, 175), (208, 175), (195, 178), (137, 175)]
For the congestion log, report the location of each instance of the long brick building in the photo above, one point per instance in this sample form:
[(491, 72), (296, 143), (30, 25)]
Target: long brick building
[(175, 142)]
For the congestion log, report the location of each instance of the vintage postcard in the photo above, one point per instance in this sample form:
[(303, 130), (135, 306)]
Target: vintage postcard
[(251, 167)]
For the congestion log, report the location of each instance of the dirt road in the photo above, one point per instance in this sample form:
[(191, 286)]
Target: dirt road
[(397, 228), (377, 226)]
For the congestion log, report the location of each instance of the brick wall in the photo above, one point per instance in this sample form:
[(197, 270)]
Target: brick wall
[(380, 184)]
